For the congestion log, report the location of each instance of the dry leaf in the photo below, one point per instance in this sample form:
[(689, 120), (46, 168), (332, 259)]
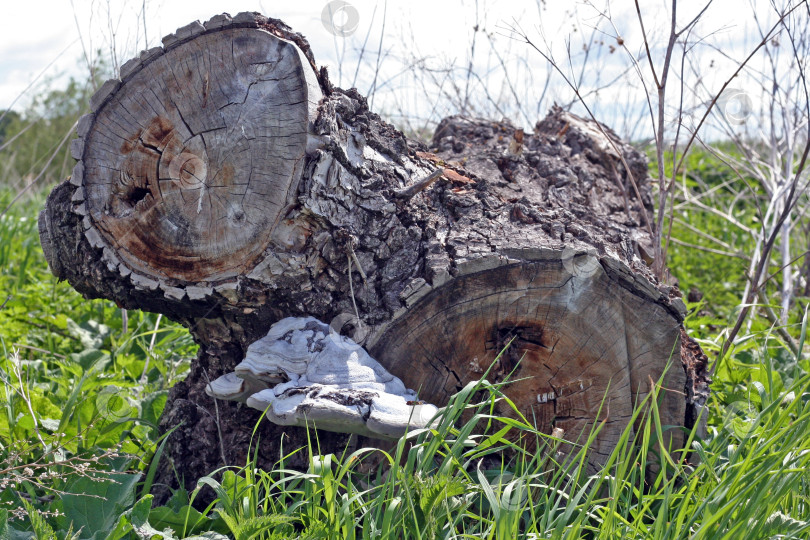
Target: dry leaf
[(453, 176)]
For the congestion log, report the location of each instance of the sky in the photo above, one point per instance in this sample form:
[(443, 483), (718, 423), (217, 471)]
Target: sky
[(420, 59)]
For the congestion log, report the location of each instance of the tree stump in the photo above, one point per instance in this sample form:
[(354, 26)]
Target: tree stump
[(223, 182)]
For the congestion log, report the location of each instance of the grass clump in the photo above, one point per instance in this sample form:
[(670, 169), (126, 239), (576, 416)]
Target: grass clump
[(746, 479)]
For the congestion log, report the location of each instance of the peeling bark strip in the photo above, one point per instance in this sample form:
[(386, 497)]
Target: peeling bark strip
[(224, 183)]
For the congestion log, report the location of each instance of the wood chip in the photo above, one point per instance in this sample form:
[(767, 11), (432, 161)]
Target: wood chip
[(175, 293), (94, 238), (218, 21), (78, 174), (150, 54), (249, 17), (190, 30), (198, 293), (76, 148), (457, 178), (84, 124), (100, 97), (130, 66), (430, 156), (143, 282)]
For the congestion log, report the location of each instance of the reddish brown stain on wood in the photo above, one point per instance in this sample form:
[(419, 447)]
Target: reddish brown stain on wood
[(158, 131), (129, 144)]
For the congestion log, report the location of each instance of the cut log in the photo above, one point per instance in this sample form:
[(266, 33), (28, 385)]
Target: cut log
[(188, 167), (224, 183)]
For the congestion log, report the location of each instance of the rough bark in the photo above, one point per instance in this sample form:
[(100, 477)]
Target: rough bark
[(540, 238)]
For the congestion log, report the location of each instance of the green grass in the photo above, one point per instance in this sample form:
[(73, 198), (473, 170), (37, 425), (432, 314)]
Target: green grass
[(82, 392), (711, 254), (750, 481)]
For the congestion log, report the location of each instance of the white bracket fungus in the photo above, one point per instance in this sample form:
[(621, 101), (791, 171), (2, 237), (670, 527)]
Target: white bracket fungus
[(303, 373)]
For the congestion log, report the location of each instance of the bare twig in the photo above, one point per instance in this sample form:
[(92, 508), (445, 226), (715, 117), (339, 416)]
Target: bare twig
[(42, 172), (421, 185)]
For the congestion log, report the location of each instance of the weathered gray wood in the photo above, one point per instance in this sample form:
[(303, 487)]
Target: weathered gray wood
[(218, 21), (579, 345), (185, 174), (534, 237)]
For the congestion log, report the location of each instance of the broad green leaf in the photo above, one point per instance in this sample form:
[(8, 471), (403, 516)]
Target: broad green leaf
[(185, 520), (91, 358), (152, 406), (92, 334), (95, 505)]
